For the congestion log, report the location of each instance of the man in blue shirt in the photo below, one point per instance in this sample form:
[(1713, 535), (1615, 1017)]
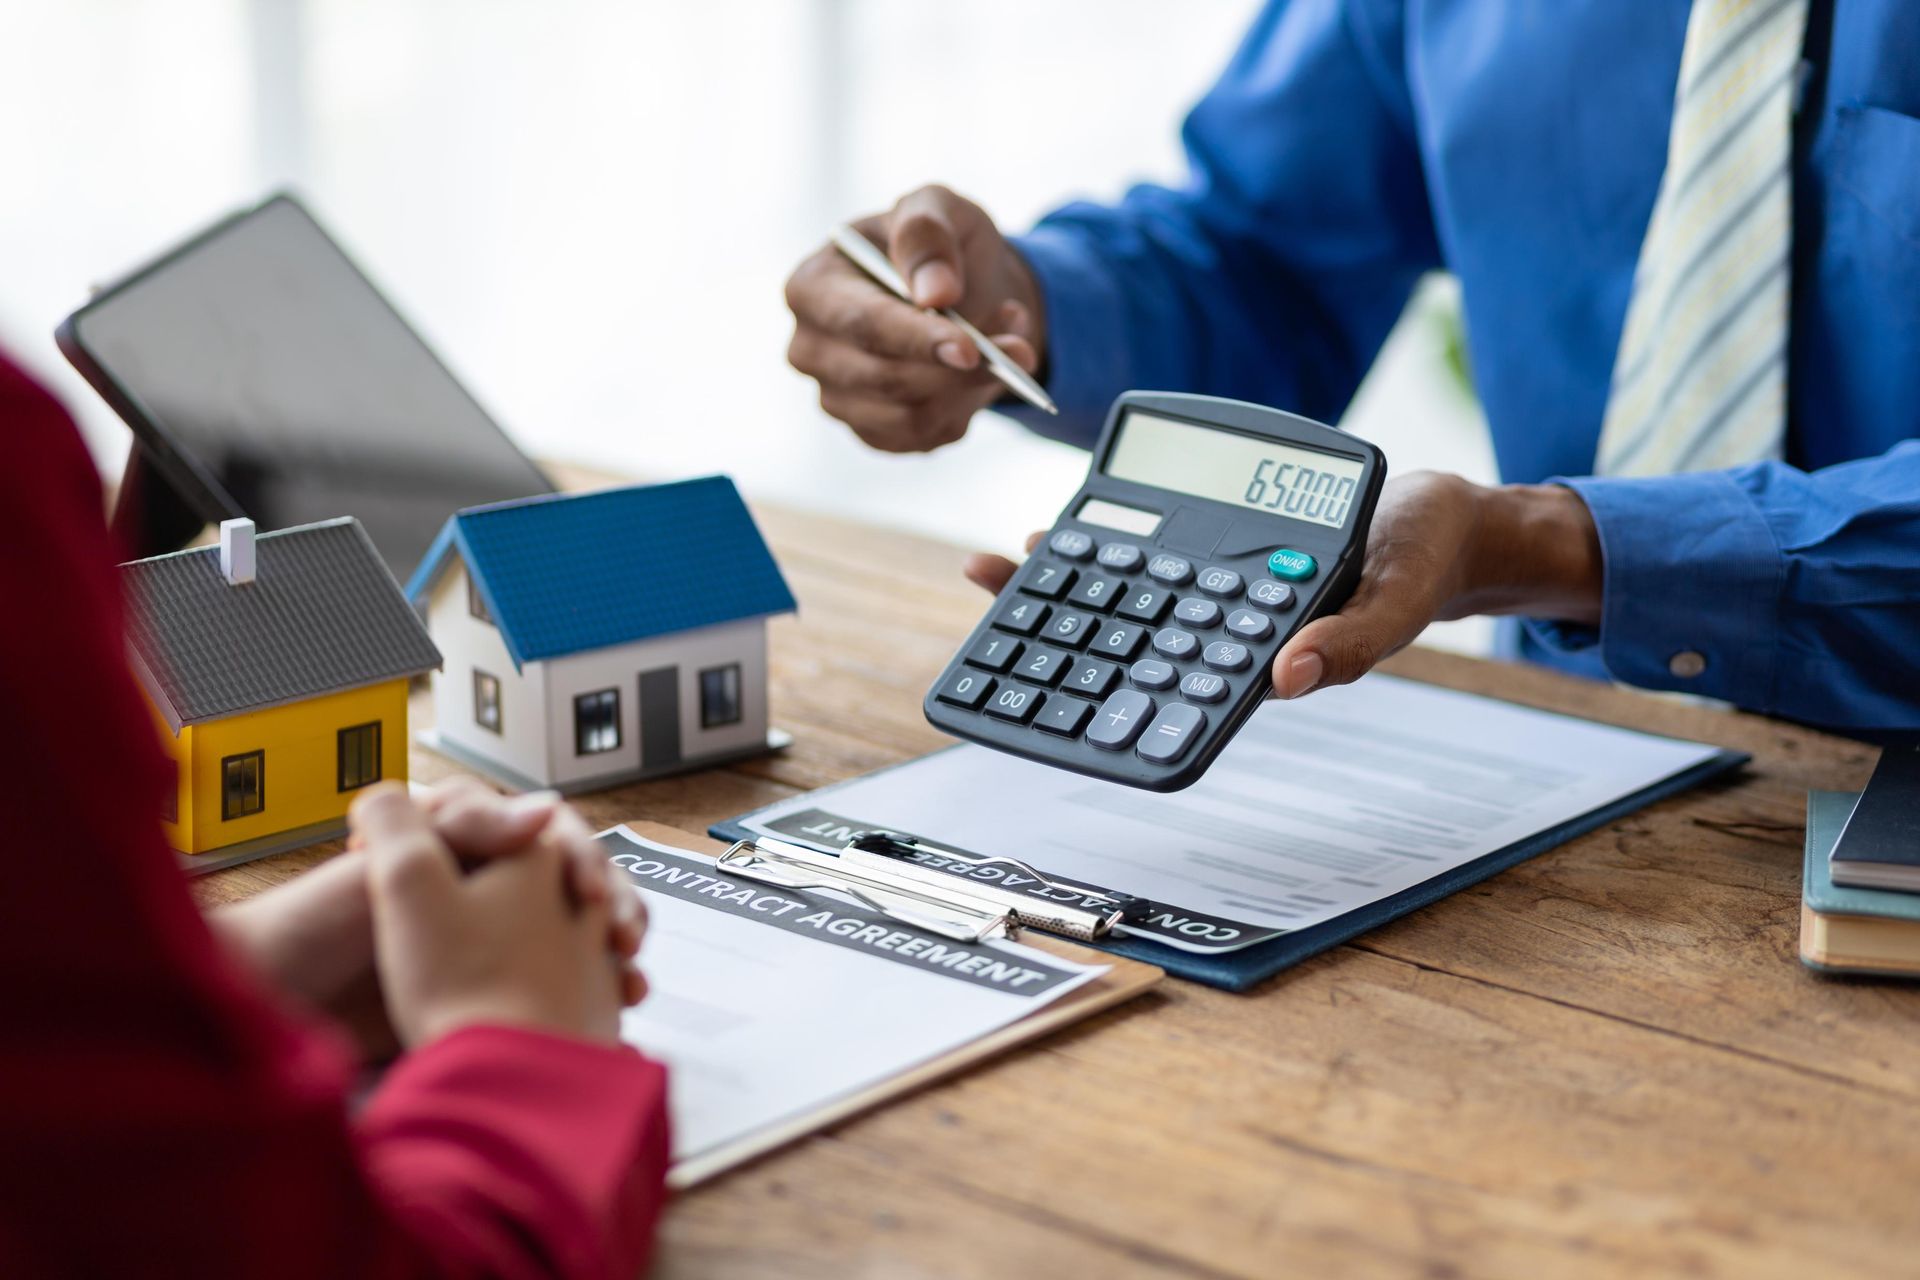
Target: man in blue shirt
[(1353, 145)]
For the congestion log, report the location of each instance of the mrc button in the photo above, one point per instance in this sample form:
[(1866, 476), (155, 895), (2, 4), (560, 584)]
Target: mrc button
[(1294, 566)]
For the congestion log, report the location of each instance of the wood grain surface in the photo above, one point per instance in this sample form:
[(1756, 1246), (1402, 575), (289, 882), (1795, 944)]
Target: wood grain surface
[(1606, 1061)]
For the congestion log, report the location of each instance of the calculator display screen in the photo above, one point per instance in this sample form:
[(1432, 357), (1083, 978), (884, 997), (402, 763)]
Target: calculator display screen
[(1226, 466)]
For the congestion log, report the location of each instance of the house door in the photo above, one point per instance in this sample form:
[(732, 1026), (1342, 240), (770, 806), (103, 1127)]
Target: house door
[(660, 718)]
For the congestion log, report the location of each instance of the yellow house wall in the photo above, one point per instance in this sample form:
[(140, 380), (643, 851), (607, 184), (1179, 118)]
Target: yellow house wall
[(179, 749), (302, 763)]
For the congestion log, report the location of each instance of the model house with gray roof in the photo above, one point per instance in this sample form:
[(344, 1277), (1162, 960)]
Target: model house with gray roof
[(277, 667)]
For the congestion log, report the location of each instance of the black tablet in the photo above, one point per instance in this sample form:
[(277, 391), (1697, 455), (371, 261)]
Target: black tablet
[(264, 375)]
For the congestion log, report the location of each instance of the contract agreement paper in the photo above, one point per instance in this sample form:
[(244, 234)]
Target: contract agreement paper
[(768, 1003), (1317, 808)]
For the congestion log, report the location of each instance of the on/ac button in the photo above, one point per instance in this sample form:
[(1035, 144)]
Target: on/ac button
[(1294, 566)]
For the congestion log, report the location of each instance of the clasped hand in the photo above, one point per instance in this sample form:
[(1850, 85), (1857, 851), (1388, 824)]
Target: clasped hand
[(459, 908)]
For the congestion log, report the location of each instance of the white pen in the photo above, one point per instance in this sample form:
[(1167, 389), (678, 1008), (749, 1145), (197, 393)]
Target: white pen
[(865, 255)]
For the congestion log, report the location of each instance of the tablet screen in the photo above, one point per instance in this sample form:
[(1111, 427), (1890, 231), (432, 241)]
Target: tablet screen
[(262, 354)]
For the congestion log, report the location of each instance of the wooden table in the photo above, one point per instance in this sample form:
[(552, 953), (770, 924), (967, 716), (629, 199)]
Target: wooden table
[(1605, 1061)]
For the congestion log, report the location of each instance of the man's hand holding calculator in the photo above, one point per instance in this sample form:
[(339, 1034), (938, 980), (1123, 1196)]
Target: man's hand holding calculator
[(1441, 548)]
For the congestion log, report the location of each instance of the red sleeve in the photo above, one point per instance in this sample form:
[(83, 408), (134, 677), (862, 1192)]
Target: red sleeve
[(158, 1113)]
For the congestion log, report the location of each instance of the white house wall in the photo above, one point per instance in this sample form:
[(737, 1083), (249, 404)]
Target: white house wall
[(466, 643), (619, 668)]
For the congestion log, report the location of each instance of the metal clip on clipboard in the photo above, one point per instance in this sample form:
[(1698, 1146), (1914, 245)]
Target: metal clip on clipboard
[(876, 868)]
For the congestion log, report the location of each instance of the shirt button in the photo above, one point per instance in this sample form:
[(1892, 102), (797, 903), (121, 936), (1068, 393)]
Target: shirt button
[(1687, 664)]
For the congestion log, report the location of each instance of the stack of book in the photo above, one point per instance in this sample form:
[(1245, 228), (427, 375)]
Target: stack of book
[(1860, 896)]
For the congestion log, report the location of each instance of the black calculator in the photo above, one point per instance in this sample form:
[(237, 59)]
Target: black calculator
[(1140, 635)]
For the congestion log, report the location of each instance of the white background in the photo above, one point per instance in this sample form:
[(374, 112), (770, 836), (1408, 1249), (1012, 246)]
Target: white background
[(589, 206)]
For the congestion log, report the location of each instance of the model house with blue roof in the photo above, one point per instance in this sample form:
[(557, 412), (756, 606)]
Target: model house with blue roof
[(594, 638)]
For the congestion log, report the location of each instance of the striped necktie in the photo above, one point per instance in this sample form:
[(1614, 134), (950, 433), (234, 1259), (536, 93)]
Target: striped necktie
[(1700, 380)]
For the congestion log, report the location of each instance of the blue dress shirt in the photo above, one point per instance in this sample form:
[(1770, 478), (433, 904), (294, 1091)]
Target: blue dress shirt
[(1353, 145)]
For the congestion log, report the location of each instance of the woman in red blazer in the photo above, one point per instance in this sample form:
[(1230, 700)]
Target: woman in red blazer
[(174, 1089)]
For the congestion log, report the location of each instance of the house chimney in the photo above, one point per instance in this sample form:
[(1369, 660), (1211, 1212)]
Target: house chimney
[(236, 550)]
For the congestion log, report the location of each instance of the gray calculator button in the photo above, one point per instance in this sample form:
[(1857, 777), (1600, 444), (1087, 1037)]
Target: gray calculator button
[(1223, 655), (1268, 594), (1021, 616), (1144, 604), (1097, 593), (1014, 702), (1063, 716), (1172, 642), (1216, 581), (1248, 625), (966, 688), (1121, 557), (1203, 686), (1071, 543), (994, 653), (1091, 679), (1151, 673), (1118, 640), (1171, 733), (1196, 612), (1048, 579), (1119, 720), (1042, 666), (1171, 570), (1069, 628)]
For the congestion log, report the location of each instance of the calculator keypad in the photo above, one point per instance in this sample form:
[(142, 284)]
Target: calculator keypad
[(1128, 654)]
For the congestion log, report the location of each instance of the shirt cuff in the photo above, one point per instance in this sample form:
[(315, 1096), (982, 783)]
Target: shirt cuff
[(1691, 586), (1086, 361)]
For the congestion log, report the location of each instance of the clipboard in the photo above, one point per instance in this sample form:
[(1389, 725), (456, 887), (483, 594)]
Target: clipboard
[(1123, 980), (1243, 969)]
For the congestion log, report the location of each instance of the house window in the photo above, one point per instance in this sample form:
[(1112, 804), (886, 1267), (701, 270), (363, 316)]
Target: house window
[(486, 700), (476, 605), (359, 753), (596, 722), (720, 696), (243, 785), (170, 801)]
